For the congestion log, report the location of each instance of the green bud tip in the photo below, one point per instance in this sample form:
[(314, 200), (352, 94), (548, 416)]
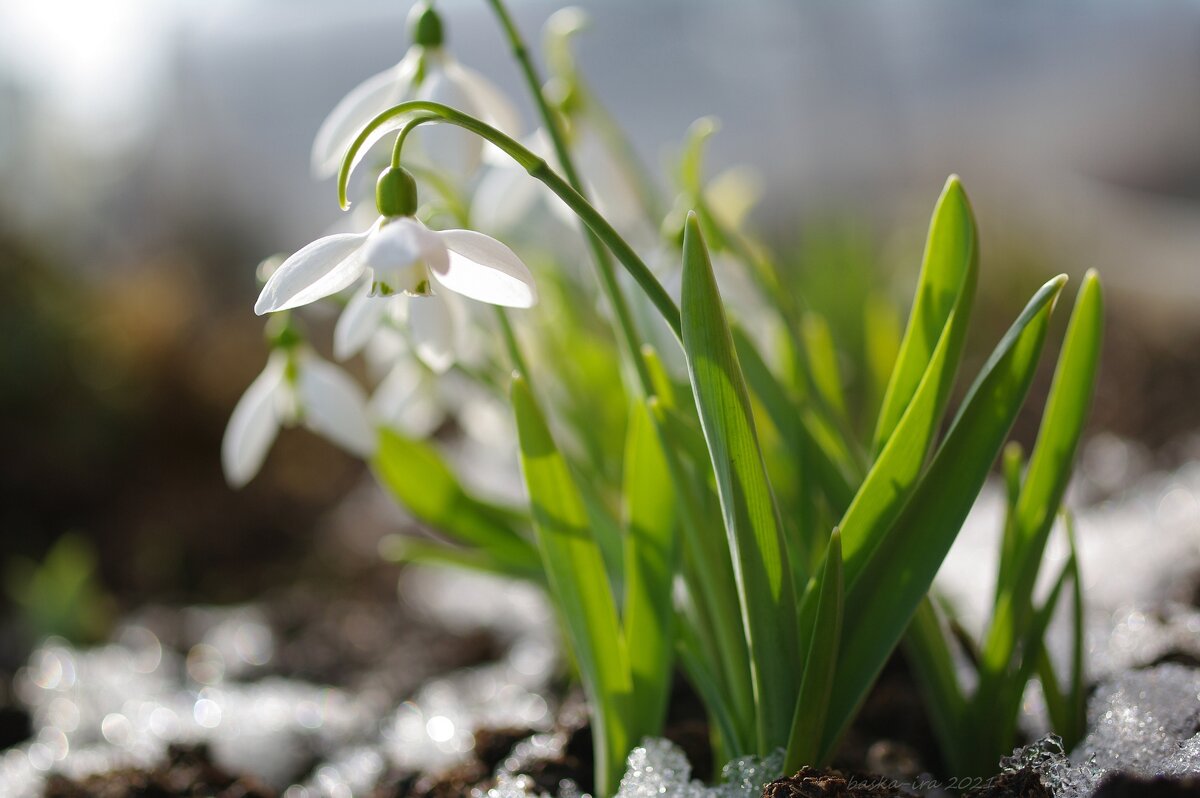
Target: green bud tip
[(425, 26), (396, 193)]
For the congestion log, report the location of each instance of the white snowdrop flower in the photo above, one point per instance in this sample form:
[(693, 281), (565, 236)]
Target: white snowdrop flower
[(401, 256), (427, 72), (296, 387)]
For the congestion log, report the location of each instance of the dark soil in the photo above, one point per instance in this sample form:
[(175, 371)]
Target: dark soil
[(815, 783), (1023, 783), (187, 772)]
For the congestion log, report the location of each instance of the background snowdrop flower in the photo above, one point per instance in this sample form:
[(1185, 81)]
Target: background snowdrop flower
[(296, 387), (427, 72), (408, 400)]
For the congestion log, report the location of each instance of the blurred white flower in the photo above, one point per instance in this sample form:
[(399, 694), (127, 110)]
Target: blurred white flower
[(508, 197), (427, 72), (408, 399), (400, 255), (296, 387)]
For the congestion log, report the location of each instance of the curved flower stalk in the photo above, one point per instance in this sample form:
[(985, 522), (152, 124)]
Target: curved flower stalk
[(297, 387), (427, 72), (399, 255)]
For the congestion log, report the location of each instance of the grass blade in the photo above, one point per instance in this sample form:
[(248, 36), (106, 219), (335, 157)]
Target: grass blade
[(820, 664), (951, 254), (882, 600), (578, 580), (650, 564), (748, 508)]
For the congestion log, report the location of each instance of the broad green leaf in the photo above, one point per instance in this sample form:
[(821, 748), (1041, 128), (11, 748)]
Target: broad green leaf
[(1049, 466), (949, 274), (882, 599), (415, 473), (820, 664), (927, 650), (951, 253), (579, 583), (747, 505), (650, 564)]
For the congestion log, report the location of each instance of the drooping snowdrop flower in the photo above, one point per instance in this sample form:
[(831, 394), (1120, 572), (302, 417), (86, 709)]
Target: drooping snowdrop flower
[(297, 387), (427, 72), (400, 256)]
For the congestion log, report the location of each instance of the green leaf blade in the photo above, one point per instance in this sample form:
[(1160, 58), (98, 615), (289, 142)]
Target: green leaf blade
[(1049, 468), (951, 251), (820, 664), (882, 600), (747, 504), (650, 565), (579, 582), (930, 355), (415, 473)]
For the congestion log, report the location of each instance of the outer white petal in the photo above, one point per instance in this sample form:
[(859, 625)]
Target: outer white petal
[(324, 267), (431, 330), (355, 110), (482, 268), (402, 242), (449, 148), (333, 406), (406, 400), (253, 425), (359, 321)]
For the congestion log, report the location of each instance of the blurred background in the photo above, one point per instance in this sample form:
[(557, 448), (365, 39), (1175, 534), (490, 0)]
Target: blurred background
[(152, 153)]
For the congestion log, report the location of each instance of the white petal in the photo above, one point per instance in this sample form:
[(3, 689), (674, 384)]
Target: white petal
[(253, 425), (402, 242), (482, 268), (334, 407), (355, 110), (358, 322), (449, 148), (320, 269), (406, 400), (431, 329)]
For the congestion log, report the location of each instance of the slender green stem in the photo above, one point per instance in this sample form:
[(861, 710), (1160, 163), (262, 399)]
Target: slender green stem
[(409, 127), (626, 329), (537, 168), (510, 343)]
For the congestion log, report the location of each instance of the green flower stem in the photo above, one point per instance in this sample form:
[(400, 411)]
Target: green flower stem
[(538, 169), (596, 241)]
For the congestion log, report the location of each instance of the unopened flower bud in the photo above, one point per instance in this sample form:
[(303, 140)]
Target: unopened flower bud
[(396, 193)]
